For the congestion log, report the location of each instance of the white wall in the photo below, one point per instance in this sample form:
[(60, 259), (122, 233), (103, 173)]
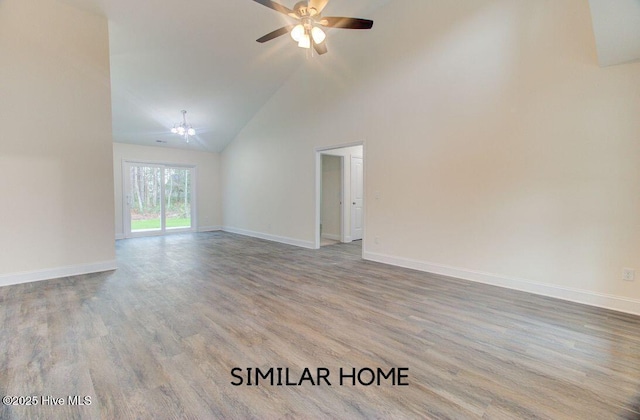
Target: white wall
[(208, 199), (55, 144), (500, 151)]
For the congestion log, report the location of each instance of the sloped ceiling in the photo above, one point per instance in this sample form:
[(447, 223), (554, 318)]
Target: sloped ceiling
[(616, 25), (202, 56)]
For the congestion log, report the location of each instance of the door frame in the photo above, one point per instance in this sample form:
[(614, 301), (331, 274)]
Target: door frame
[(343, 198), (318, 158), (352, 211), (126, 214)]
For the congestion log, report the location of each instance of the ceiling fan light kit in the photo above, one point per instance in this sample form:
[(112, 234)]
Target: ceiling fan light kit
[(183, 129), (304, 32), (308, 33)]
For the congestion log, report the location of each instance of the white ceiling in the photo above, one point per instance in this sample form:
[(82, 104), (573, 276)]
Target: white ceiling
[(616, 25), (202, 56)]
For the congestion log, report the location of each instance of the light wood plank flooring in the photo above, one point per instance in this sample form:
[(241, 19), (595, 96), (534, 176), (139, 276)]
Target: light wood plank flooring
[(158, 339)]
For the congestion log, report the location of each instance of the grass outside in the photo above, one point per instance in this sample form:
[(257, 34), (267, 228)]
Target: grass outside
[(155, 224)]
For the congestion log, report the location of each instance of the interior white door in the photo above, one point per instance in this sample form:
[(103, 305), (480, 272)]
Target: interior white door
[(357, 197)]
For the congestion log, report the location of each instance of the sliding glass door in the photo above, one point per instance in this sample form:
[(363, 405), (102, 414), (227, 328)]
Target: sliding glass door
[(159, 198), (177, 198), (145, 209)]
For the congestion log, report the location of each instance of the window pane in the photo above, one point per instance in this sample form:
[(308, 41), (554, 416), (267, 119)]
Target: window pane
[(177, 194), (145, 198)]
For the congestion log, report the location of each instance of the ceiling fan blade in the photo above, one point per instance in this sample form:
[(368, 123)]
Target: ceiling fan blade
[(320, 48), (346, 22), (275, 34), (277, 7), (318, 5)]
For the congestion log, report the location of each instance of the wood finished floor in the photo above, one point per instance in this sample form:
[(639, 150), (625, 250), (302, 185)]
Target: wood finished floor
[(158, 338)]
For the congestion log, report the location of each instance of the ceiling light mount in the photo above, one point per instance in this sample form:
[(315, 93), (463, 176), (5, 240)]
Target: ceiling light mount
[(183, 129)]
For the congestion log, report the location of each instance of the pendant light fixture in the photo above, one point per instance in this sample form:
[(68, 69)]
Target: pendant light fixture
[(183, 129)]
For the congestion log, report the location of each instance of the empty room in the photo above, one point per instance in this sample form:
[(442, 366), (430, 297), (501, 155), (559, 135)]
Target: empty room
[(320, 209)]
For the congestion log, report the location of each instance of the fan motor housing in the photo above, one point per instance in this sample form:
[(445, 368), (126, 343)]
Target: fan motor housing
[(303, 10)]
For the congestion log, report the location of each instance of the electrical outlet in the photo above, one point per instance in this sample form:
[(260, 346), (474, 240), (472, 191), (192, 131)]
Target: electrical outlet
[(628, 274)]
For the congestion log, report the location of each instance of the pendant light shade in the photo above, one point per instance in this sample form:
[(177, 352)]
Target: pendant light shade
[(305, 41), (318, 35), (297, 32)]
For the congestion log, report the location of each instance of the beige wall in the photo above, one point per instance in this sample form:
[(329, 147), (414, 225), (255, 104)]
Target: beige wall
[(208, 199), (497, 149), (55, 143)]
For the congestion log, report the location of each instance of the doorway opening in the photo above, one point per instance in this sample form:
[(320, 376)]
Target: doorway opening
[(339, 194), (159, 199)]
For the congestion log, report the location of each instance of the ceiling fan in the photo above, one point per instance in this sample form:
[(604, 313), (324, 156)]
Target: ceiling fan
[(307, 32)]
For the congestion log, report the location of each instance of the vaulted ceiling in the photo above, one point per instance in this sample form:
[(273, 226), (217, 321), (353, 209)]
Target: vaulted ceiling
[(616, 25), (202, 56)]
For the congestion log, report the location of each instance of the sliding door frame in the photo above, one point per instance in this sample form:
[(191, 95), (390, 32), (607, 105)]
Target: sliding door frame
[(126, 200)]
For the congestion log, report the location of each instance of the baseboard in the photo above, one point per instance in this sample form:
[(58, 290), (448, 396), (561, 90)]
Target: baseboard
[(55, 273), (332, 236), (209, 228), (269, 237), (586, 297), (200, 229)]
